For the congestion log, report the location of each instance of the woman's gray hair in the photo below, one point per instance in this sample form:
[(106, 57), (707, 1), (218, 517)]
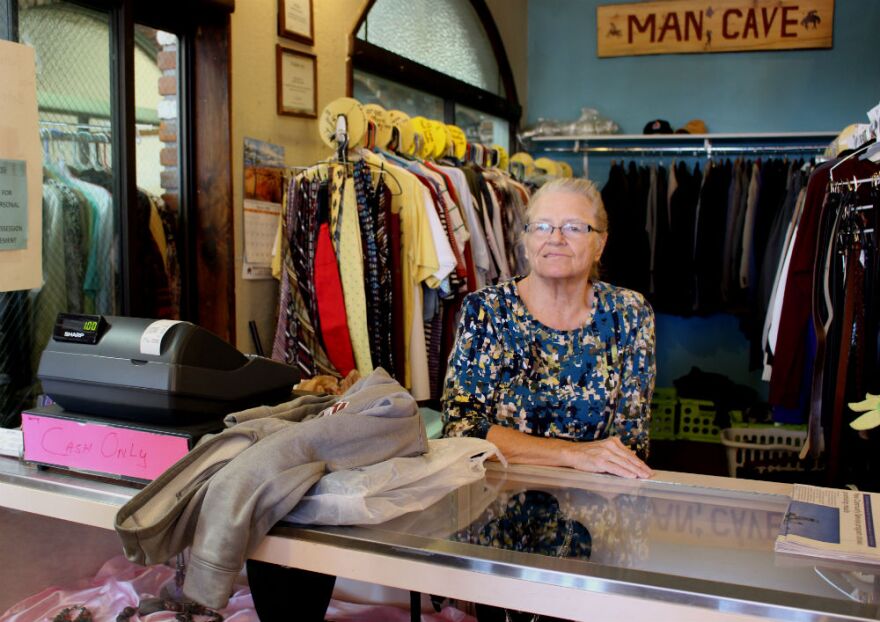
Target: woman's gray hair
[(573, 185), (581, 187)]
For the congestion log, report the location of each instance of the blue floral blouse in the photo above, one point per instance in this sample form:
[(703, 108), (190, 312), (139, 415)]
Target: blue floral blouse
[(583, 384)]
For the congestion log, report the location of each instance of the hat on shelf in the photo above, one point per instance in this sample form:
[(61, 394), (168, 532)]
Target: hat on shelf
[(657, 126), (694, 126)]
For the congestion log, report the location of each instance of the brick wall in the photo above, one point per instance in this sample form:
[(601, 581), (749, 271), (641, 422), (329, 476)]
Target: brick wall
[(169, 176)]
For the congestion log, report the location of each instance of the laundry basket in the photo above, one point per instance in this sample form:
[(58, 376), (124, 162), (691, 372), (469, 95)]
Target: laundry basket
[(663, 411), (696, 421), (763, 450)]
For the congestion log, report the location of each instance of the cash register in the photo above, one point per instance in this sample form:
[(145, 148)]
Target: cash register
[(132, 395)]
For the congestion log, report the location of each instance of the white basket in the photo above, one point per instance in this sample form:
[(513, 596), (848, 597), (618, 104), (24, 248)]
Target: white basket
[(763, 450)]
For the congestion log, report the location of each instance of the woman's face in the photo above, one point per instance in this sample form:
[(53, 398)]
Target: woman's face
[(559, 256)]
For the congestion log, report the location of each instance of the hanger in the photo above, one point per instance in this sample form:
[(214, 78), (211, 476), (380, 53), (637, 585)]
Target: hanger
[(44, 138), (341, 137), (872, 153), (853, 154), (394, 143), (321, 167)]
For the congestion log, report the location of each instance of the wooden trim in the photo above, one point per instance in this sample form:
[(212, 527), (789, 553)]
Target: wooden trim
[(284, 31), (373, 59), (280, 51), (189, 303), (123, 156), (9, 29), (361, 19), (212, 209), (497, 44), (179, 15)]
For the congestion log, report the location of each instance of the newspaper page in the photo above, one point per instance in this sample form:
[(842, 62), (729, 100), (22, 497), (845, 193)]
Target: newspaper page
[(832, 524)]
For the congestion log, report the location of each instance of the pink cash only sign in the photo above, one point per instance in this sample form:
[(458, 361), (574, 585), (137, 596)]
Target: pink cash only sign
[(99, 448)]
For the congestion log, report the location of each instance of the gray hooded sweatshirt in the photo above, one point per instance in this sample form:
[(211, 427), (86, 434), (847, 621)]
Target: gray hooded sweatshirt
[(224, 496)]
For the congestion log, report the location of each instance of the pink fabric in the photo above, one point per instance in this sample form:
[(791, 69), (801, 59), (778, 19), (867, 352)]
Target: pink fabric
[(120, 584), (340, 611)]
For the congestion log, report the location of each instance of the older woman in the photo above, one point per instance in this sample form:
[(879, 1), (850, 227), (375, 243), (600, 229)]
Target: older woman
[(557, 368)]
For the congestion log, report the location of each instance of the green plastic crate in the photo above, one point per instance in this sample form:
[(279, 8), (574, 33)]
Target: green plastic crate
[(664, 406), (696, 421)]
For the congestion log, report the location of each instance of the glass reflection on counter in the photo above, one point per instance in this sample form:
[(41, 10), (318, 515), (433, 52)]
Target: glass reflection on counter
[(564, 522), (647, 526)]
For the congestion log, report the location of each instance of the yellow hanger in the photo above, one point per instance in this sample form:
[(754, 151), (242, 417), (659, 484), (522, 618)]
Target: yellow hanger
[(400, 121)]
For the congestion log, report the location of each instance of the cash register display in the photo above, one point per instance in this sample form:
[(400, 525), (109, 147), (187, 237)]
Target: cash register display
[(79, 328)]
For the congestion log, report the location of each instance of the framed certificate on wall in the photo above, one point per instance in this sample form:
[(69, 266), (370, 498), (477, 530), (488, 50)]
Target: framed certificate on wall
[(296, 85), (295, 20)]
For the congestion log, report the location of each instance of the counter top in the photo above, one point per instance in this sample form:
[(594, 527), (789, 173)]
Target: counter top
[(549, 538)]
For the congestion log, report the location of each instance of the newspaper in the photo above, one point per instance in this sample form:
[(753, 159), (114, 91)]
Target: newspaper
[(832, 524)]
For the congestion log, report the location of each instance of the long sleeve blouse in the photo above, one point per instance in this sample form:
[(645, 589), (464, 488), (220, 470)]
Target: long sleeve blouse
[(586, 384)]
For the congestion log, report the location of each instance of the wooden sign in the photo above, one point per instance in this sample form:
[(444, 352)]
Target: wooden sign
[(700, 26)]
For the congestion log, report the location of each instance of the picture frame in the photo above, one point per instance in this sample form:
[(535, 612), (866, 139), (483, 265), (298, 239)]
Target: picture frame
[(296, 82), (296, 20)]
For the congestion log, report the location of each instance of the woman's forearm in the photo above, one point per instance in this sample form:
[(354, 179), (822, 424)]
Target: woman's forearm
[(603, 456), (520, 448)]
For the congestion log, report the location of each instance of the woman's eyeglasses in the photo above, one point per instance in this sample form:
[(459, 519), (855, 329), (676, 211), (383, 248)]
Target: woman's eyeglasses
[(569, 229)]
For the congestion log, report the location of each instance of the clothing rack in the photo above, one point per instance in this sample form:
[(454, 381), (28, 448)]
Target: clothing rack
[(695, 145), (68, 130), (708, 149), (694, 150)]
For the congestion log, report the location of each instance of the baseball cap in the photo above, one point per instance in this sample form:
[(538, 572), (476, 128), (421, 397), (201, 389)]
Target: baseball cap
[(657, 126), (694, 126)]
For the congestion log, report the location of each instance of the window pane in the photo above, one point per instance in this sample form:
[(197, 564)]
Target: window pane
[(370, 89), (80, 254), (158, 173), (483, 128), (446, 36), (4, 21)]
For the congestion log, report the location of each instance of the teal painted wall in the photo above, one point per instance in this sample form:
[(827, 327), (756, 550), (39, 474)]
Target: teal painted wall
[(779, 91), (790, 91)]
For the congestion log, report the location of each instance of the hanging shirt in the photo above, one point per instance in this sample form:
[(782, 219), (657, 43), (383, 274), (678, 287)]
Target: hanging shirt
[(774, 312), (51, 298), (419, 263), (350, 252), (747, 259), (478, 244), (453, 203)]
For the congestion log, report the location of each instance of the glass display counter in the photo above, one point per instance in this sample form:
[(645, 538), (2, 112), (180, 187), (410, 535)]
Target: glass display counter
[(551, 541)]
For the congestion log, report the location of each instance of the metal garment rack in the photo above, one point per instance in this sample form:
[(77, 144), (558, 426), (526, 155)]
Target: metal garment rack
[(701, 144), (69, 130), (854, 184)]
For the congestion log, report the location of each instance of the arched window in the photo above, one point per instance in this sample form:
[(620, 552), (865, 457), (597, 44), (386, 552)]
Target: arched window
[(442, 60)]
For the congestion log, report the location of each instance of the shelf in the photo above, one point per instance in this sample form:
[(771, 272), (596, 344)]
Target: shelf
[(687, 137)]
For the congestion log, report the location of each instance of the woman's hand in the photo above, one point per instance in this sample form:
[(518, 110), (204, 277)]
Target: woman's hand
[(606, 456)]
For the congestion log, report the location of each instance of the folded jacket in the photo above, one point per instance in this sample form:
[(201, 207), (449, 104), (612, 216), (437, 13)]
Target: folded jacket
[(295, 410), (224, 496)]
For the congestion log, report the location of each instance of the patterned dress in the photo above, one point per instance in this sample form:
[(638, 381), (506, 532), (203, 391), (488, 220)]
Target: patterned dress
[(585, 384)]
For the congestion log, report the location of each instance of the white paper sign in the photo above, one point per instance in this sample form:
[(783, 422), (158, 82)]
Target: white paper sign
[(11, 443), (261, 223), (151, 339), (13, 204)]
